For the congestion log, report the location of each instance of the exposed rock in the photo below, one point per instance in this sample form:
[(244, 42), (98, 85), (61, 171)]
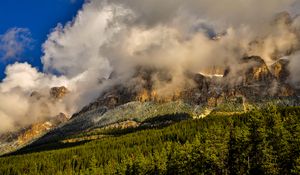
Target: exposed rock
[(256, 71), (12, 141), (123, 125), (257, 82), (280, 70), (138, 98), (36, 130), (58, 92)]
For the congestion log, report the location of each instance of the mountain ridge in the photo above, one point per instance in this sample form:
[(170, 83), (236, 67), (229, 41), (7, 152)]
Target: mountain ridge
[(256, 86), (253, 85)]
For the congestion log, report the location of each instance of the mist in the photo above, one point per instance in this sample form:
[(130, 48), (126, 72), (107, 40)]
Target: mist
[(174, 35)]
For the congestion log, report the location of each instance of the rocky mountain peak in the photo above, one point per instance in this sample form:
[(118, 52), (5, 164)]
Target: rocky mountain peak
[(280, 69), (11, 141), (257, 70), (255, 81), (45, 121), (58, 92), (38, 129)]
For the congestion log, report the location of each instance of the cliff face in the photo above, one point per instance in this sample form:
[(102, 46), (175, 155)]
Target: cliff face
[(280, 70), (253, 81), (11, 141), (138, 98), (38, 129), (58, 92)]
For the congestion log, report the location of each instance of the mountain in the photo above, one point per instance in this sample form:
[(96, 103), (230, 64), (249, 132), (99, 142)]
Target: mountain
[(256, 142), (11, 141), (254, 77), (253, 85), (231, 116)]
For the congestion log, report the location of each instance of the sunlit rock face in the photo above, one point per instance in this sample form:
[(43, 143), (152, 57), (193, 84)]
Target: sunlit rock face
[(13, 140), (38, 129), (254, 80), (257, 72), (280, 70), (58, 92)]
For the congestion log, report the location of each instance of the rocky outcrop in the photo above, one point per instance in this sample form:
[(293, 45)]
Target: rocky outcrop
[(253, 81), (137, 99), (11, 141), (38, 129), (280, 70), (58, 92)]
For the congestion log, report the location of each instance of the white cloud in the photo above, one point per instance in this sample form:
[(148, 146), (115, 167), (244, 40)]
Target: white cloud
[(14, 42), (119, 35), (75, 48)]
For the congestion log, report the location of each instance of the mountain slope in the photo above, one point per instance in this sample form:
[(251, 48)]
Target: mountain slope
[(11, 141), (253, 85), (217, 144)]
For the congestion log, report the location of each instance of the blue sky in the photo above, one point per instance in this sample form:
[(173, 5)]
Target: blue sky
[(37, 18)]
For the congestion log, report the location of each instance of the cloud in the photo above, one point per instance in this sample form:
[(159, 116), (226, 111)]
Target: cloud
[(294, 68), (105, 33), (18, 108), (176, 36), (25, 98), (24, 76), (14, 42)]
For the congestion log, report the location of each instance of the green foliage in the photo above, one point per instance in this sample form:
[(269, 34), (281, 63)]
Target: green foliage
[(257, 142)]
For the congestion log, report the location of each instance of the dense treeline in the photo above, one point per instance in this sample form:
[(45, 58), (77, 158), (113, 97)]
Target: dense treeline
[(258, 142)]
